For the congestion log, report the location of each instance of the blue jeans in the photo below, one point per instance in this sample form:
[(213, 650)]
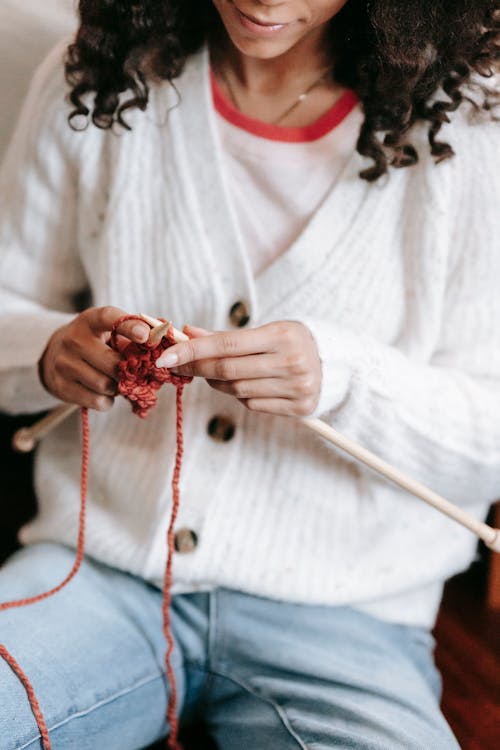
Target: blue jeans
[(260, 674)]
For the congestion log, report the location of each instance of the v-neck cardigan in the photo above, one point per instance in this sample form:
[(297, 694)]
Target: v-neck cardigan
[(397, 282)]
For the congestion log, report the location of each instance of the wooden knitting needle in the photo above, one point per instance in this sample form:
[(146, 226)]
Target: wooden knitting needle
[(489, 535), (159, 329), (26, 438)]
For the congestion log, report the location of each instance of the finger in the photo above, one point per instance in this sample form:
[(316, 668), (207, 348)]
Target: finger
[(103, 358), (223, 344), (135, 330), (102, 319), (76, 393), (195, 331), (278, 406), (92, 379), (263, 388), (121, 343), (233, 368)]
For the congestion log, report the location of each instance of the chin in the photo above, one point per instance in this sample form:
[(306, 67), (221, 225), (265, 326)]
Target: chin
[(260, 50), (253, 44)]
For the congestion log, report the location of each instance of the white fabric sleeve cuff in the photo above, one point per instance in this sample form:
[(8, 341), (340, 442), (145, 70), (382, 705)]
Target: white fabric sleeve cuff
[(340, 353), (20, 388)]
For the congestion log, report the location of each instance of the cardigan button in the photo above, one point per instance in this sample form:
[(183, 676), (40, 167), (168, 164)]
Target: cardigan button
[(185, 541), (221, 429), (239, 314)]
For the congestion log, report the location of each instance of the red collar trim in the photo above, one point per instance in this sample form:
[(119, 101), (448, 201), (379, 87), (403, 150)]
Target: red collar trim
[(327, 122)]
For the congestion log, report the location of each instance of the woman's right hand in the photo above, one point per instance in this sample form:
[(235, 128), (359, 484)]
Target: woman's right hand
[(78, 365)]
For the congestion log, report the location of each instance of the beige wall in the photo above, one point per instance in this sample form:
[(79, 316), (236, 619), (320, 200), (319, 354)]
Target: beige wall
[(28, 29)]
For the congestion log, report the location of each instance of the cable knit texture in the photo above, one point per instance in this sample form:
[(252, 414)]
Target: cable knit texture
[(397, 282)]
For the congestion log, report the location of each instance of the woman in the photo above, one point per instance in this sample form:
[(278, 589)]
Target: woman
[(256, 199)]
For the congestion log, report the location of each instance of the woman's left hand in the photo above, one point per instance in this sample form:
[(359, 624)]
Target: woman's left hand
[(274, 368)]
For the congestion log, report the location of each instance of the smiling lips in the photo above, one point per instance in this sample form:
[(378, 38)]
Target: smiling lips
[(260, 23), (254, 24)]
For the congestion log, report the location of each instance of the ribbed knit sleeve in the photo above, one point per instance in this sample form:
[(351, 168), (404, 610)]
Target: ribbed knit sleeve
[(439, 420), (39, 267)]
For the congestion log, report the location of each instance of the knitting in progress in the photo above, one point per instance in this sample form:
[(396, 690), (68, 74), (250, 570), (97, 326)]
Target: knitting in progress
[(139, 382)]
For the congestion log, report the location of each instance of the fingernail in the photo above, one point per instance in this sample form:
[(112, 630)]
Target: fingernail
[(167, 360), (139, 332)]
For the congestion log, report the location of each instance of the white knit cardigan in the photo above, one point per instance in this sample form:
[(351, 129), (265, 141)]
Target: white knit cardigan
[(397, 281)]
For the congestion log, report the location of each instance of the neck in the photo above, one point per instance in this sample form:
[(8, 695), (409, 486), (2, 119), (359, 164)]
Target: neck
[(301, 63)]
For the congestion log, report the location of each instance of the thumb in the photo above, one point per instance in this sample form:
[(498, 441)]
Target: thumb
[(102, 319)]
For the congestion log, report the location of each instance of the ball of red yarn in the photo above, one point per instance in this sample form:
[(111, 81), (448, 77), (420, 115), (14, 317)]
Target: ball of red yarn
[(139, 378)]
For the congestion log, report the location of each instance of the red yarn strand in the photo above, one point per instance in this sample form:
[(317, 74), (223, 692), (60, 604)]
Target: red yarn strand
[(173, 743), (81, 526), (42, 726), (139, 381), (35, 707)]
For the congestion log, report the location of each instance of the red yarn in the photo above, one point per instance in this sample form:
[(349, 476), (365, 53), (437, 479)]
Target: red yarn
[(42, 726), (139, 379), (139, 382)]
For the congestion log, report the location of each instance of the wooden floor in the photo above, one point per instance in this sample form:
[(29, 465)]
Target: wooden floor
[(468, 655)]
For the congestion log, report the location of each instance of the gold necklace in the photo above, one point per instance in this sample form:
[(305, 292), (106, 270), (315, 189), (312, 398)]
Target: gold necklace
[(288, 110)]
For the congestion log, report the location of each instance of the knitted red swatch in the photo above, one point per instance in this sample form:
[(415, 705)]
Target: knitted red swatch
[(139, 382)]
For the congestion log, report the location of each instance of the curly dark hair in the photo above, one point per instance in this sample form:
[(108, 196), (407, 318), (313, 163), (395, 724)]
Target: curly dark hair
[(407, 60)]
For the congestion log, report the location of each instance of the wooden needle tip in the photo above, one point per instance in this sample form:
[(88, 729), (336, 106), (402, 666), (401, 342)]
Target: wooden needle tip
[(154, 322), (158, 332), (23, 441), (495, 543)]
